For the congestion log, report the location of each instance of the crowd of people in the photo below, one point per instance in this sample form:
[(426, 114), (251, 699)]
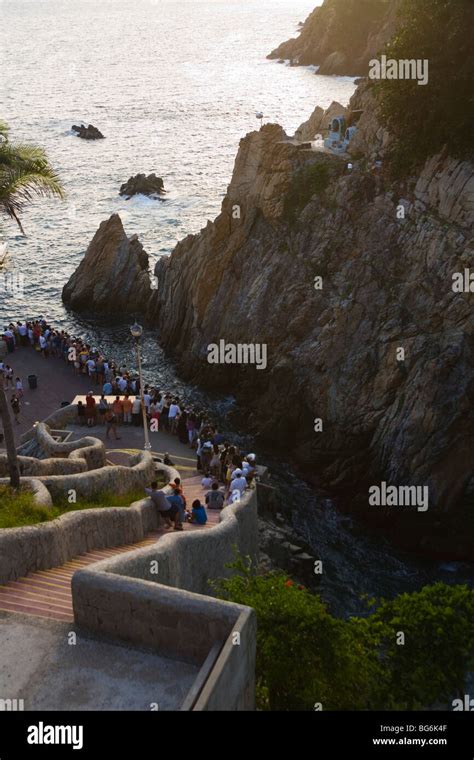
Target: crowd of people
[(227, 472)]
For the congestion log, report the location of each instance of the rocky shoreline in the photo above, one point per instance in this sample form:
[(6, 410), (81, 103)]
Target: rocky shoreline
[(341, 36)]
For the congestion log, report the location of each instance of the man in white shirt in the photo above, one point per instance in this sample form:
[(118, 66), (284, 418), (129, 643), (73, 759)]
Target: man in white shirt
[(174, 412), (23, 333), (122, 383), (136, 411), (238, 483)]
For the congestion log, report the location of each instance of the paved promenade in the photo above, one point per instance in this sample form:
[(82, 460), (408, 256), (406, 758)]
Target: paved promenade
[(57, 383)]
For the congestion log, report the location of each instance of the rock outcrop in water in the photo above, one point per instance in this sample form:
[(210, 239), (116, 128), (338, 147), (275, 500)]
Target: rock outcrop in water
[(88, 133), (380, 349), (145, 185), (342, 36), (113, 276)]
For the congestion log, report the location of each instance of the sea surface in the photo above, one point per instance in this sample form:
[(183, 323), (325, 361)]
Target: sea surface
[(173, 85)]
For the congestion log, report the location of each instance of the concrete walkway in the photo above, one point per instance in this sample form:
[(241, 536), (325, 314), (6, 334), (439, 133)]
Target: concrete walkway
[(41, 665)]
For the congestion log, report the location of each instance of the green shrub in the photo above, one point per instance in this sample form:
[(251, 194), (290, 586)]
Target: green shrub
[(306, 656), (438, 625), (309, 181), (18, 509)]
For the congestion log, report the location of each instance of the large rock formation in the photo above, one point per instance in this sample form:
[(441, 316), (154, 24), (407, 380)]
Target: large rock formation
[(319, 121), (381, 350), (144, 185), (342, 36), (88, 133), (113, 275)]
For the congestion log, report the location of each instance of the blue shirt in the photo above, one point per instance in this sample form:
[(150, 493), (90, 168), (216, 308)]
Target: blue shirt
[(199, 515), (107, 389)]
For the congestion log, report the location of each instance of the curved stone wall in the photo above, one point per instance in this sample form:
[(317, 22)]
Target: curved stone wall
[(30, 466), (116, 478), (49, 544), (91, 449)]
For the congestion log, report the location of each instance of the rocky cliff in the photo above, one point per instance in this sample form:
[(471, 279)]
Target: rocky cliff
[(347, 278), (113, 275), (342, 36)]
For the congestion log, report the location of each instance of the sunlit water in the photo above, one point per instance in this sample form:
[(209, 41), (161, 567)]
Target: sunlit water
[(173, 85)]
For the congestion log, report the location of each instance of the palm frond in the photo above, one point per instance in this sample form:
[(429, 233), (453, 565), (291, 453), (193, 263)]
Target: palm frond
[(25, 173), (4, 129)]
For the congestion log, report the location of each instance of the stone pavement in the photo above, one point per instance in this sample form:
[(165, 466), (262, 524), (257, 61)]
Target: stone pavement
[(57, 383)]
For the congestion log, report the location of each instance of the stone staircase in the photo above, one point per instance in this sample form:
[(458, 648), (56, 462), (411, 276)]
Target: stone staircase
[(47, 593)]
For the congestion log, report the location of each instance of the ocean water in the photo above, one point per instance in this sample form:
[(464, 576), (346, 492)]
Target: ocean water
[(172, 84)]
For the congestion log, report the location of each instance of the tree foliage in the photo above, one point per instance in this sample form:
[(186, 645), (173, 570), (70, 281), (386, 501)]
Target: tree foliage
[(305, 656), (424, 118)]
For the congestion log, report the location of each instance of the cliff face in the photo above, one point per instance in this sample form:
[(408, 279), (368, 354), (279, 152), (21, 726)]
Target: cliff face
[(381, 350), (113, 275), (342, 36)]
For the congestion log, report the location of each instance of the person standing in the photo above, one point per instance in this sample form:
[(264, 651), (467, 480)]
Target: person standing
[(15, 402), (8, 374), (19, 388), (117, 408), (173, 414), (127, 406), (111, 424), (90, 409), (136, 411), (103, 406)]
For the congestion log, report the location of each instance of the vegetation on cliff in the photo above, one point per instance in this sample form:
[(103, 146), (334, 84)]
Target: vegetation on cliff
[(424, 118), (309, 181), (408, 654)]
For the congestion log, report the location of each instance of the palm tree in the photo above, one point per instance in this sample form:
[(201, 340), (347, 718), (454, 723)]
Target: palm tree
[(24, 172), (13, 466)]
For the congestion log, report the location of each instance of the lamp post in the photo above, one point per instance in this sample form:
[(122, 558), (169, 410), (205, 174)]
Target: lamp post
[(137, 332)]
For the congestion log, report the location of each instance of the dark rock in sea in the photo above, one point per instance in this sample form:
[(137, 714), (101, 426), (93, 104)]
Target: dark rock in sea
[(144, 185), (88, 133), (113, 276)]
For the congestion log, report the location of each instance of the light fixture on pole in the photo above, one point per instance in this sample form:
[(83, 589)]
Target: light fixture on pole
[(137, 332)]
